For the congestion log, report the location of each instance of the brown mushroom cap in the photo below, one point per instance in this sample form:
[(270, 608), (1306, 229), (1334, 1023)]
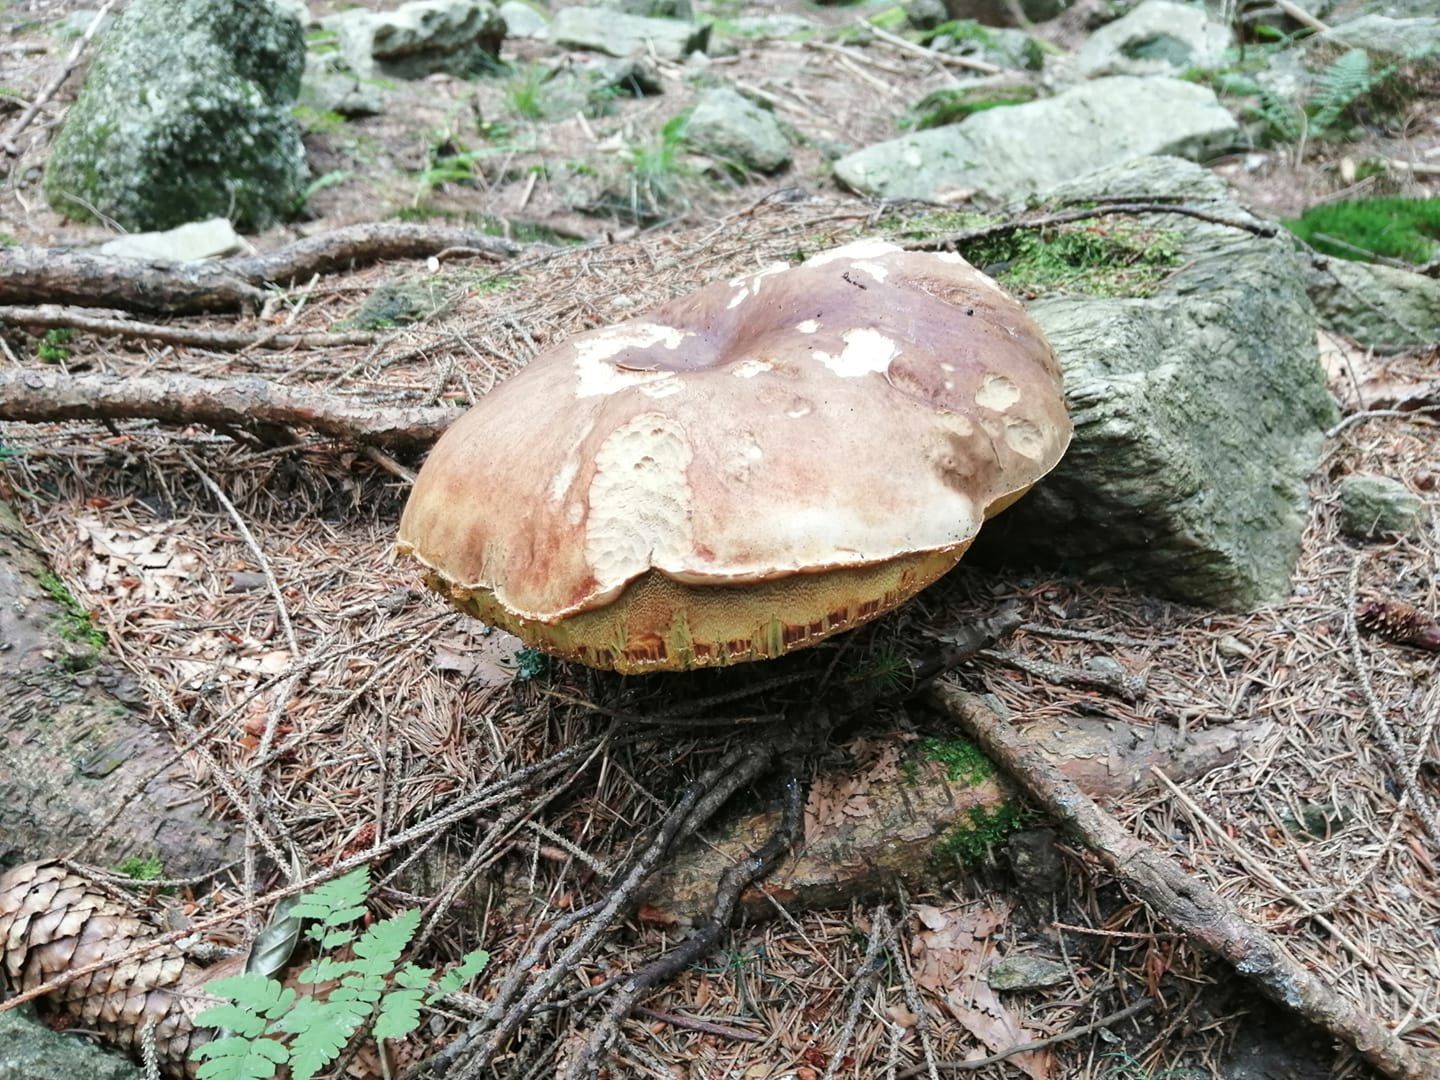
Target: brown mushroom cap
[(746, 469)]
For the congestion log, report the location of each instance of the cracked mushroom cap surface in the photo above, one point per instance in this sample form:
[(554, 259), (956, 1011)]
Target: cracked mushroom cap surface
[(746, 469)]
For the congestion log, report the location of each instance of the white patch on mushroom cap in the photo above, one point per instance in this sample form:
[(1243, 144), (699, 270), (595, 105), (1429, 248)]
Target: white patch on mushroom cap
[(749, 368), (662, 388), (860, 249), (949, 257), (809, 326), (874, 269), (997, 393), (639, 500), (737, 299), (797, 408), (594, 351), (769, 271), (1025, 438), (564, 478), (866, 351)]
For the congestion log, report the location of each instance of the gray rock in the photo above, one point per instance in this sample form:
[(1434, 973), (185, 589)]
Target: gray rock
[(1159, 37), (396, 303), (1026, 971), (998, 45), (1376, 305), (185, 243), (31, 1051), (1374, 506), (617, 34), (637, 76), (1035, 862), (458, 37), (1199, 412), (330, 85), (185, 115), (650, 9), (1397, 37), (1000, 13), (925, 14), (736, 131), (522, 20), (761, 27), (1019, 149)]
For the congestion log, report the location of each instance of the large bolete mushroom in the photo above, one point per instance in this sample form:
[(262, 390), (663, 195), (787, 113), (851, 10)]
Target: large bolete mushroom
[(745, 470)]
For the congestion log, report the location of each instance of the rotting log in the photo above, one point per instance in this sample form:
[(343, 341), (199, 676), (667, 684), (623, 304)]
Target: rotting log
[(913, 822), (246, 403), (43, 275), (71, 746), (1185, 902)]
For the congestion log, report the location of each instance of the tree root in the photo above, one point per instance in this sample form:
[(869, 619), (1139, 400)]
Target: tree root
[(42, 275), (1202, 915), (51, 316), (245, 403)]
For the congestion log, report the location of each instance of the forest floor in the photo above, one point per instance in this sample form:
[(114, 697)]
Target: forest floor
[(389, 704)]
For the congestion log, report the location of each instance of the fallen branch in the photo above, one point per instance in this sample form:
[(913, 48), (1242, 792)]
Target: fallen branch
[(1084, 213), (52, 316), (246, 403), (43, 275), (1205, 917)]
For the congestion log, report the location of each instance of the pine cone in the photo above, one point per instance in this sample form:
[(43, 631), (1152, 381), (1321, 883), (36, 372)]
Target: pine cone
[(1400, 623), (52, 920)]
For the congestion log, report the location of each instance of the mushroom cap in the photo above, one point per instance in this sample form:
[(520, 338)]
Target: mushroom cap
[(745, 469)]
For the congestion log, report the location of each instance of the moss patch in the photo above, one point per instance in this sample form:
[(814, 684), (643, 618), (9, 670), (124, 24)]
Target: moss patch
[(951, 104), (1362, 229), (1100, 259), (962, 759), (931, 226), (969, 841), (74, 621), (138, 869)]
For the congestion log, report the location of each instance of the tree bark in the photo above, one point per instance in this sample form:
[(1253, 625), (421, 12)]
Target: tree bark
[(902, 826), (41, 396), (71, 748)]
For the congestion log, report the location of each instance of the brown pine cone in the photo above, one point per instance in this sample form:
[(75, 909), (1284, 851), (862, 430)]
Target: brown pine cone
[(53, 920), (1400, 622)]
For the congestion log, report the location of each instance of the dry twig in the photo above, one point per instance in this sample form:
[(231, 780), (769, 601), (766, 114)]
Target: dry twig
[(52, 316)]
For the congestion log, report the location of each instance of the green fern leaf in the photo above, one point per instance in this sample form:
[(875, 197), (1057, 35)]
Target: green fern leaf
[(236, 1058), (399, 1014), (380, 947), (472, 965), (1344, 82), (252, 1000), (414, 977), (337, 902), (321, 1030)]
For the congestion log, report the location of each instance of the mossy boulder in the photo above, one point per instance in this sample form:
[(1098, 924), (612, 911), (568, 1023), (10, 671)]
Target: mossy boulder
[(185, 115), (1198, 401)]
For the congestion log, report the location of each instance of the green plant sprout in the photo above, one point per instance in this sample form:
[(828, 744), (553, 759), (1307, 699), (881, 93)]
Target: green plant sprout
[(265, 1024)]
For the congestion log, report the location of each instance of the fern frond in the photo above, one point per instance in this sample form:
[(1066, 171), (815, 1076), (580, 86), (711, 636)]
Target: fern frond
[(1344, 81), (399, 1014), (472, 965), (321, 1030), (381, 945), (237, 1058), (337, 902)]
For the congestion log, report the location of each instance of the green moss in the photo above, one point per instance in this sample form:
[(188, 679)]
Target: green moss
[(951, 104), (318, 121), (932, 225), (74, 620), (139, 869), (1361, 229), (962, 759), (1093, 259), (531, 664), (55, 346), (968, 841)]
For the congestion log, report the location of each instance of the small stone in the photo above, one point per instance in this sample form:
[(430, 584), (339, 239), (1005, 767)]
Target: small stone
[(925, 14), (617, 34), (1035, 862), (1232, 647), (637, 76), (651, 9), (736, 131), (1027, 972), (331, 86), (427, 37), (1373, 506), (1159, 37), (184, 243), (395, 303)]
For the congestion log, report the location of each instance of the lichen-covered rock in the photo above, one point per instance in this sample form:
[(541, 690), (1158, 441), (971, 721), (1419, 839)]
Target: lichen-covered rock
[(1018, 149), (1376, 305), (1397, 37), (1199, 411), (522, 20), (29, 1050), (1160, 37), (458, 37), (1372, 506), (185, 115), (735, 131), (331, 85)]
